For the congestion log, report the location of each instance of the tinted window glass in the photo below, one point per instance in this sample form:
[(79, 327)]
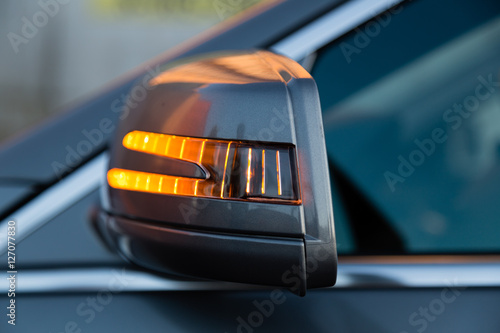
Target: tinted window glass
[(411, 105)]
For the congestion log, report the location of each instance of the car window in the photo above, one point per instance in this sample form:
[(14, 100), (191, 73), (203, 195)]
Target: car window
[(411, 110)]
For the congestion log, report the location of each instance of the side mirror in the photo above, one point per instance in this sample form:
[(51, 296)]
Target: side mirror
[(220, 172)]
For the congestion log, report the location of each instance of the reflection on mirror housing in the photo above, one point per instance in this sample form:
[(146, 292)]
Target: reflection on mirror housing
[(221, 173)]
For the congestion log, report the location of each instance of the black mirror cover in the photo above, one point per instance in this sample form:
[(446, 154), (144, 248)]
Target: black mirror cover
[(221, 172)]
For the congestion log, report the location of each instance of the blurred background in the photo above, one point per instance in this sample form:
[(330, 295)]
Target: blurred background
[(58, 52)]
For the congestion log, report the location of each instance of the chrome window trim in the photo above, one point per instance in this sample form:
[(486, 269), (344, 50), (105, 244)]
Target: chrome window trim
[(466, 275), (54, 200), (122, 279), (429, 275)]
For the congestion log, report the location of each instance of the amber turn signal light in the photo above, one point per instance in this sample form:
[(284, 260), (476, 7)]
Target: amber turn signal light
[(233, 170)]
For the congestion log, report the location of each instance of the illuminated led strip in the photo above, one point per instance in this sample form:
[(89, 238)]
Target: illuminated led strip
[(263, 187), (249, 170), (178, 147), (219, 160), (152, 182), (225, 169), (278, 171)]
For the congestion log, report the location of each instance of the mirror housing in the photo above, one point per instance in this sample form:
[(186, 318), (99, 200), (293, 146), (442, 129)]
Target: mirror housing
[(220, 172)]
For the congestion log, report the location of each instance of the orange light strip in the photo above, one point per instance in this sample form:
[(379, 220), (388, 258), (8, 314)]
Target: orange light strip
[(166, 149), (202, 149), (249, 170), (178, 147), (224, 174), (278, 171), (215, 158), (182, 148), (196, 188), (152, 182), (263, 187)]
